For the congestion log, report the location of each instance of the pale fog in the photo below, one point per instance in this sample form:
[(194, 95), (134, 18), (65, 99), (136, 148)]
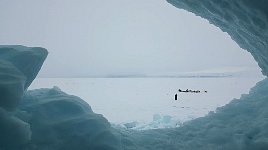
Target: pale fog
[(128, 58)]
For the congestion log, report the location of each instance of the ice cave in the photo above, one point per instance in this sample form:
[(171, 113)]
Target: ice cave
[(50, 119)]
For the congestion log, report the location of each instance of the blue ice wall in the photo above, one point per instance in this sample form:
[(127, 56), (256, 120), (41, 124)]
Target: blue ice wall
[(18, 67), (246, 21)]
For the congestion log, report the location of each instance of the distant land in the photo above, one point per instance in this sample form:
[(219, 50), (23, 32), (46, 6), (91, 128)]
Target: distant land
[(151, 76), (165, 76), (220, 73)]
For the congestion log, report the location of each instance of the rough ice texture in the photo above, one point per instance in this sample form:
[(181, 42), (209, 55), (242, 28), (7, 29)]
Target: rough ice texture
[(11, 85), (64, 122), (44, 119), (15, 133), (246, 21), (19, 66), (28, 60)]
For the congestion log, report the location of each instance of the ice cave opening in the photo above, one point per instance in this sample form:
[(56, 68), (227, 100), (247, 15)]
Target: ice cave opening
[(49, 118), (154, 54)]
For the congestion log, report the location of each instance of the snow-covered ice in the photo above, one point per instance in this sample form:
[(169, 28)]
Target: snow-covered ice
[(128, 100)]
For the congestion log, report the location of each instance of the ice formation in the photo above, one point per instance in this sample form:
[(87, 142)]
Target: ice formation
[(246, 21), (51, 119), (158, 122), (45, 118), (18, 68), (64, 122)]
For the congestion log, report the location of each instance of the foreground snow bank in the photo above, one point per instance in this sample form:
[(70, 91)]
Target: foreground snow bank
[(62, 121), (44, 119)]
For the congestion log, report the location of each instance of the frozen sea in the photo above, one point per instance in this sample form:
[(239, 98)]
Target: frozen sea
[(145, 103)]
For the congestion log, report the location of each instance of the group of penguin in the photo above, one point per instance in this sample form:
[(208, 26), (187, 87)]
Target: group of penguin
[(191, 91), (186, 91)]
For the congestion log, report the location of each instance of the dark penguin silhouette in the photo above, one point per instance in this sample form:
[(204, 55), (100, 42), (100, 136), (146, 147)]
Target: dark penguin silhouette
[(176, 96)]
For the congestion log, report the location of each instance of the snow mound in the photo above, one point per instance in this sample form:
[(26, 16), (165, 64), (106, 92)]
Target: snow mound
[(46, 118), (61, 121)]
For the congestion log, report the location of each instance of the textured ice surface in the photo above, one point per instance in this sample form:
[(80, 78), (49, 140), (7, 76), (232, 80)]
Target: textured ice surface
[(158, 122), (28, 60), (11, 85), (64, 122), (246, 21), (44, 119), (19, 66), (15, 133)]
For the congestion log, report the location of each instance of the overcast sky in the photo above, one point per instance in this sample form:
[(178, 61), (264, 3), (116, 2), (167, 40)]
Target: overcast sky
[(103, 37)]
